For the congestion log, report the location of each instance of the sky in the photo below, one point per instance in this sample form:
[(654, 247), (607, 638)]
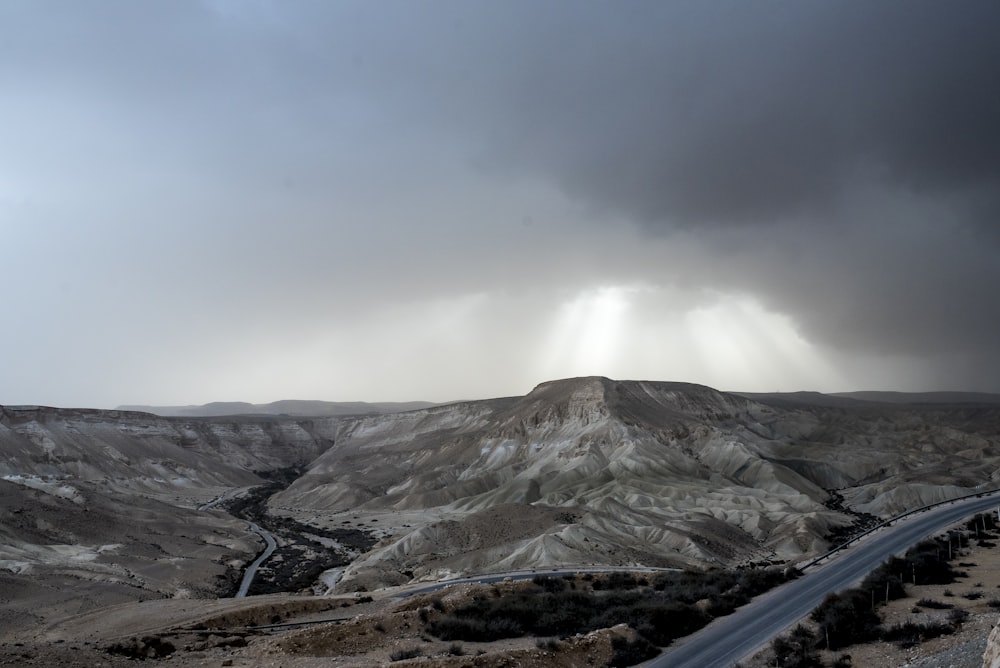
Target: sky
[(254, 200)]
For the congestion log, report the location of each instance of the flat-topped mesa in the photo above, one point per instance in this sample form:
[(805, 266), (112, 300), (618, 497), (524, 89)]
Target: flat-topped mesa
[(656, 402), (583, 399), (594, 398)]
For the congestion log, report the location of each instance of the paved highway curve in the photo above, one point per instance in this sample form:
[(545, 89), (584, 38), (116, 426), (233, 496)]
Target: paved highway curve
[(734, 637), (269, 546)]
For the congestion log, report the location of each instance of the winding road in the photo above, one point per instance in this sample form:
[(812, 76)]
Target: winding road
[(270, 545), (730, 639)]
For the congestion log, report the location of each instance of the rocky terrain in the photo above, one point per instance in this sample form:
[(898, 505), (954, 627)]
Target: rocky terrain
[(593, 471), (102, 508)]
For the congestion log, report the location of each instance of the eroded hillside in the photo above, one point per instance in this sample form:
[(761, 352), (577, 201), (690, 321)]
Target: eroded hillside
[(579, 472), (102, 507), (593, 471)]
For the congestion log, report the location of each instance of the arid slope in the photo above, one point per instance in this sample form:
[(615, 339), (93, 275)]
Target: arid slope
[(593, 471)]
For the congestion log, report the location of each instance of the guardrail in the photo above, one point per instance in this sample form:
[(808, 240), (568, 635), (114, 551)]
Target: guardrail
[(975, 495)]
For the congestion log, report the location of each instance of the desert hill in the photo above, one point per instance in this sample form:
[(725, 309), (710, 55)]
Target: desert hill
[(583, 471), (645, 473), (295, 407)]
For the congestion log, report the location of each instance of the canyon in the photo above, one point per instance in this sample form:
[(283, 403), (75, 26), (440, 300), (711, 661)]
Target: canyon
[(104, 508)]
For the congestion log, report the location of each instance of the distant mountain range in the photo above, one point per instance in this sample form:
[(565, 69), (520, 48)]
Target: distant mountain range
[(923, 397), (856, 399), (294, 407)]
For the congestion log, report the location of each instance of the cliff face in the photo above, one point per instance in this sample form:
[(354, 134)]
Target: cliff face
[(991, 657)]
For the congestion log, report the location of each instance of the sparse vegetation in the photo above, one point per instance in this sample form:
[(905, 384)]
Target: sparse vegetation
[(908, 634), (403, 654), (625, 652), (851, 617), (934, 605), (958, 616), (796, 650), (672, 606)]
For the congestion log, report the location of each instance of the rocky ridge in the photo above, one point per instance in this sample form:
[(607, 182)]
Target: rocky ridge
[(633, 473)]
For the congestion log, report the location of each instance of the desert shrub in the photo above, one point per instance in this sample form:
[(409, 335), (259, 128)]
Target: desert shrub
[(626, 652), (973, 595), (958, 616), (622, 581), (847, 618), (908, 634), (567, 613), (885, 581), (403, 654), (982, 521), (549, 584), (550, 644), (993, 602), (796, 650), (552, 610), (934, 605), (456, 650)]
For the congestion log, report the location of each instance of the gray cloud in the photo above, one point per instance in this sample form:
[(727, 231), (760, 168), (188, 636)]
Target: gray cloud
[(177, 177)]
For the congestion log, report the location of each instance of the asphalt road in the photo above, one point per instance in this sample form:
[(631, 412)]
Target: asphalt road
[(733, 638), (270, 545)]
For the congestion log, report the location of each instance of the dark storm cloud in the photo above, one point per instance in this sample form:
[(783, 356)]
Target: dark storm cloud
[(307, 171), (732, 112), (862, 140)]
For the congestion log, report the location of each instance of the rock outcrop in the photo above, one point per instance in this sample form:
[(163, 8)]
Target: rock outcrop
[(991, 657)]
